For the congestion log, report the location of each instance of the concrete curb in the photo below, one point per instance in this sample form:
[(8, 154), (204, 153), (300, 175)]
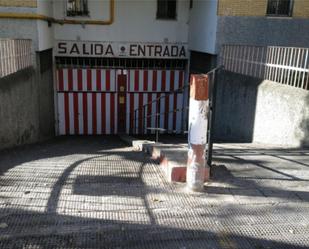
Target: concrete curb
[(172, 159), (137, 145)]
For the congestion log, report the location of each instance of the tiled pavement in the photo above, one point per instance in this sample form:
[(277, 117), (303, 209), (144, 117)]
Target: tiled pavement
[(93, 192)]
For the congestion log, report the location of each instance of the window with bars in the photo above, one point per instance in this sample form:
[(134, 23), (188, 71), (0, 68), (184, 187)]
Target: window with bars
[(77, 8), (166, 9), (279, 7)]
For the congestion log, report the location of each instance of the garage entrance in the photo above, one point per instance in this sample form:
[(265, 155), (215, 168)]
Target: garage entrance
[(94, 100)]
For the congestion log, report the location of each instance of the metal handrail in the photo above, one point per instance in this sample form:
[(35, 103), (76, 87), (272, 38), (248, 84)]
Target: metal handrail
[(213, 77), (158, 114)]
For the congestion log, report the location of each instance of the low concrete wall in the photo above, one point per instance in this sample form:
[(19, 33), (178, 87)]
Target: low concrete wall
[(235, 107), (282, 115), (26, 108), (253, 110), (19, 109)]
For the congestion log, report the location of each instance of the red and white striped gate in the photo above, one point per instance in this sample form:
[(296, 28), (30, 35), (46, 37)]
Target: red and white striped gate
[(102, 101)]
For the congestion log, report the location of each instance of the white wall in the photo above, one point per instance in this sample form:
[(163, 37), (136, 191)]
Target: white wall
[(45, 33), (135, 20), (37, 31), (20, 28), (203, 26)]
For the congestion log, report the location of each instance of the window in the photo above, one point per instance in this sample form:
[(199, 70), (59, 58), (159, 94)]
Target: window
[(166, 9), (279, 7), (77, 8)]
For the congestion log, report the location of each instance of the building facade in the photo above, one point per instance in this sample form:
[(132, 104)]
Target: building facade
[(109, 68), (112, 57), (250, 22)]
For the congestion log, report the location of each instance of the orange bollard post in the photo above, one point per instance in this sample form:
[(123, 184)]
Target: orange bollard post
[(197, 170)]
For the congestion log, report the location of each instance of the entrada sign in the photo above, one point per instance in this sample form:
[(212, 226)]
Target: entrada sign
[(112, 49)]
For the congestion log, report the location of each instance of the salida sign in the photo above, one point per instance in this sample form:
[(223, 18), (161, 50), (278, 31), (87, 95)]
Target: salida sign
[(111, 49)]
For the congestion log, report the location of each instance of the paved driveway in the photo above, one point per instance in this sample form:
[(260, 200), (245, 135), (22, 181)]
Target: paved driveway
[(92, 192)]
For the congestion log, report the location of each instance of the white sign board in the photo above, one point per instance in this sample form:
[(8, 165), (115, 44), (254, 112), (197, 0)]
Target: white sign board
[(126, 50)]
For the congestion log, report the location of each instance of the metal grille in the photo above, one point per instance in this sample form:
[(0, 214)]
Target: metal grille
[(166, 9), (14, 55), (279, 7), (285, 65), (127, 63), (77, 8)]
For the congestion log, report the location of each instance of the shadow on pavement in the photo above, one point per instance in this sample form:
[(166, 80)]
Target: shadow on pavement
[(95, 193)]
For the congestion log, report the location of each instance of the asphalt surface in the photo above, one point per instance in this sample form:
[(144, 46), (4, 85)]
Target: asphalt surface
[(95, 192)]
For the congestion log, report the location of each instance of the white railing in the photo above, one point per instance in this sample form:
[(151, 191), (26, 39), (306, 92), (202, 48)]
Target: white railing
[(15, 54), (285, 65)]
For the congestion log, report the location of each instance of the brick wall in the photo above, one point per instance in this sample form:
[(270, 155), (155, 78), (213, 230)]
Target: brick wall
[(301, 8), (18, 3), (257, 8), (242, 7)]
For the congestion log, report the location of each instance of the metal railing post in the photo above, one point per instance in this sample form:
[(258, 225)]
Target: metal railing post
[(143, 120), (146, 118), (158, 118), (211, 118), (135, 121)]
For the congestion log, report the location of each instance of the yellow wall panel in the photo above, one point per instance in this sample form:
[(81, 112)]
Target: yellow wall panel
[(18, 3), (242, 7), (301, 8)]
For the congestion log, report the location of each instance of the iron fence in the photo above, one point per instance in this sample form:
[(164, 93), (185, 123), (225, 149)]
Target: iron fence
[(285, 65), (15, 54)]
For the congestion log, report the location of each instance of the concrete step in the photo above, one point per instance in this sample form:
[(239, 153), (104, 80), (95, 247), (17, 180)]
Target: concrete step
[(174, 163), (138, 145), (172, 158)]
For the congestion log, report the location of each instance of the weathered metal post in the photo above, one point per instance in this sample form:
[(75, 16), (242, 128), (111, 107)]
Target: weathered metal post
[(142, 117), (197, 170), (135, 121)]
